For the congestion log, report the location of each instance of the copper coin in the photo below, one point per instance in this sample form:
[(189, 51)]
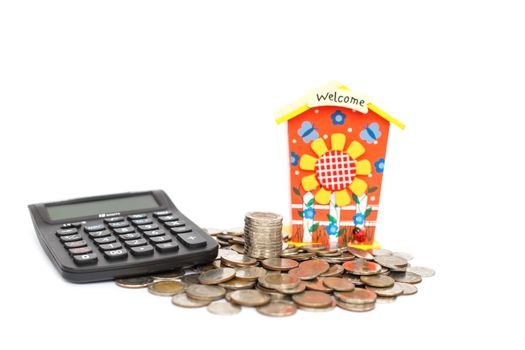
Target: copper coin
[(249, 297), (279, 264), (334, 270), (217, 276), (362, 267), (318, 285), (380, 281), (338, 284), (360, 253), (312, 298), (278, 309), (314, 267), (357, 296)]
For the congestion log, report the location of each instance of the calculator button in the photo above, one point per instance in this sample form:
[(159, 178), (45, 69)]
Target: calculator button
[(75, 244), (110, 246), (123, 230), (161, 213), (133, 235), (178, 230), (115, 254), (104, 240), (142, 221), (160, 239), (79, 251), (142, 250), (98, 234), (70, 238), (167, 218), (92, 228), (135, 242), (67, 231), (148, 227), (118, 224), (154, 233), (113, 219), (85, 259), (191, 240), (167, 247), (137, 216), (174, 224)]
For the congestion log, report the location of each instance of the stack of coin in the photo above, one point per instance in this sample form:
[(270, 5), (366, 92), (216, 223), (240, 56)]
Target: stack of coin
[(263, 235)]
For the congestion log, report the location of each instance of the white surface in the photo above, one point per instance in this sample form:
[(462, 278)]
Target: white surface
[(103, 97)]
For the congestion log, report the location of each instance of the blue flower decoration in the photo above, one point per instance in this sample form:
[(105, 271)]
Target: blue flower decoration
[(309, 213), (332, 229), (379, 165), (295, 158), (359, 219), (338, 118)]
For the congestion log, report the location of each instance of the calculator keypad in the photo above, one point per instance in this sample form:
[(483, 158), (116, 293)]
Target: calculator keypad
[(138, 234)]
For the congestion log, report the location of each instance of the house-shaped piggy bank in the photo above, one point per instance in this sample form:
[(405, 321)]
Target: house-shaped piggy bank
[(337, 146)]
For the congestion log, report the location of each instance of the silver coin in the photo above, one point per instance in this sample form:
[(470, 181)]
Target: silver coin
[(217, 276), (279, 264), (300, 288), (408, 289), (237, 283), (278, 280), (190, 279), (357, 296), (356, 307), (251, 273), (223, 308), (183, 300), (391, 262), (421, 271), (205, 292), (134, 282), (393, 291), (381, 252), (278, 309), (318, 309), (380, 281), (406, 277), (249, 297)]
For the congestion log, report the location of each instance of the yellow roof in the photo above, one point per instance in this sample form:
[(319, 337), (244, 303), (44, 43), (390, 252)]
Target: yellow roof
[(297, 107)]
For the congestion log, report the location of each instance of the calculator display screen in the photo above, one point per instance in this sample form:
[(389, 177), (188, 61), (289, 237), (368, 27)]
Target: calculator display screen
[(112, 205)]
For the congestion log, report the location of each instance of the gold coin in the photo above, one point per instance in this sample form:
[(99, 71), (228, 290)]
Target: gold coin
[(251, 273), (380, 281), (223, 308), (279, 264), (205, 292), (134, 282), (408, 289), (360, 253), (357, 296), (277, 309), (356, 307), (334, 270), (393, 291), (166, 288), (313, 299), (237, 283), (318, 285), (278, 280), (217, 276), (249, 297), (362, 267), (338, 284), (183, 300), (238, 260), (406, 277)]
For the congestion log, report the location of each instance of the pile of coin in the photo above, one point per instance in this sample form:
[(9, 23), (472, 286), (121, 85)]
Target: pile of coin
[(263, 234), (310, 277)]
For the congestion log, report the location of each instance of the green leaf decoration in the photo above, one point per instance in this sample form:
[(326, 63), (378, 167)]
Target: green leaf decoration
[(301, 214), (355, 198), (372, 189), (313, 227), (297, 191), (368, 211), (340, 232), (310, 202), (331, 218)]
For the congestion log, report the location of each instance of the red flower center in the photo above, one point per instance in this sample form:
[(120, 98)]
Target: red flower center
[(335, 170)]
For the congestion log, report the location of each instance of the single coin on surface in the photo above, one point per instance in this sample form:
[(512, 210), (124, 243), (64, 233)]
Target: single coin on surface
[(393, 291), (406, 277), (166, 288), (381, 281), (223, 308), (205, 292), (408, 289)]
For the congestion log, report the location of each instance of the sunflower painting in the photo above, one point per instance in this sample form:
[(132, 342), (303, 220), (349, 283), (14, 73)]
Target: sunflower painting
[(337, 149)]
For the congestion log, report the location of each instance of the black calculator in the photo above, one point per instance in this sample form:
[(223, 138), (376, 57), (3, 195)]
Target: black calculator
[(120, 235)]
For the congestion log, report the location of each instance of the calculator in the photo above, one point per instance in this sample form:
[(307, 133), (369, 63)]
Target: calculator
[(119, 235)]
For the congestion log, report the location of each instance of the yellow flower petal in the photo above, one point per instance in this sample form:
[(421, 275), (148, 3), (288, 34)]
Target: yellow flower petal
[(309, 182), (342, 198), (319, 147), (338, 142), (363, 167), (355, 150), (323, 196), (307, 162), (358, 187)]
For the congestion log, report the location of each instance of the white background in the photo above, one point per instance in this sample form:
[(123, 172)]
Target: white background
[(101, 97)]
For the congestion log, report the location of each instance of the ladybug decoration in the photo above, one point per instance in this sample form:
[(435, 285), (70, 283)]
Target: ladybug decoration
[(359, 235)]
